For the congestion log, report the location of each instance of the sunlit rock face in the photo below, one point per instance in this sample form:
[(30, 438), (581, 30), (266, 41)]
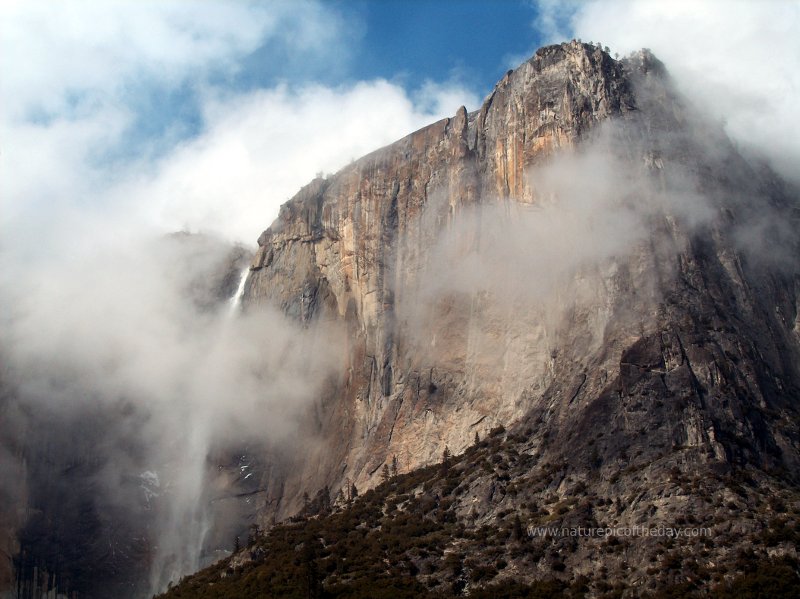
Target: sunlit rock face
[(584, 260), (584, 252)]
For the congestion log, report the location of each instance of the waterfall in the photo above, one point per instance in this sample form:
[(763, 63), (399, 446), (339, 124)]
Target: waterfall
[(184, 518), (236, 301)]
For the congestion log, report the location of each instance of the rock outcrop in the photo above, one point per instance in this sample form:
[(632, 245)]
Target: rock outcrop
[(661, 322), (582, 291)]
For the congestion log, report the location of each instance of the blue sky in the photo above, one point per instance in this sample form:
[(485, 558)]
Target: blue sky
[(469, 42), (150, 97), (207, 115), (429, 39), (412, 41)]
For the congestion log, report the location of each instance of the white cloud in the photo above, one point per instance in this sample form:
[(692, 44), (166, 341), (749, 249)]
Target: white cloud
[(553, 20), (95, 294), (260, 148), (57, 54), (737, 59), (72, 72)]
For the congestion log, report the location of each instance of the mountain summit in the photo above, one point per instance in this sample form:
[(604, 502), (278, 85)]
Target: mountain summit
[(585, 253), (574, 309), (586, 271)]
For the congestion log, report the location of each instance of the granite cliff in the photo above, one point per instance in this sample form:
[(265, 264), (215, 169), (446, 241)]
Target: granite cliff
[(646, 309), (582, 296), (574, 309)]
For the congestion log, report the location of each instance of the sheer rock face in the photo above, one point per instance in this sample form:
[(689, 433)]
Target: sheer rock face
[(680, 339)]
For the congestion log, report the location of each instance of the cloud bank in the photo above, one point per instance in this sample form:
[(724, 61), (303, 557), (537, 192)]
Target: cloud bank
[(124, 122), (259, 148), (130, 111), (738, 60)]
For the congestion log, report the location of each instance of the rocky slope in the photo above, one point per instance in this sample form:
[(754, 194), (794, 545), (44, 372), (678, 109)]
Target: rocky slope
[(585, 261), (584, 253), (487, 524)]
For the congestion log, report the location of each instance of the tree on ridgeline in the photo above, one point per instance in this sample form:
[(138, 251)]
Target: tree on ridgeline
[(385, 474)]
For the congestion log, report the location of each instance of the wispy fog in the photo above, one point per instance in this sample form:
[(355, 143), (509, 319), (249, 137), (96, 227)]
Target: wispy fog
[(121, 125), (736, 58), (498, 283), (119, 346), (143, 332)]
